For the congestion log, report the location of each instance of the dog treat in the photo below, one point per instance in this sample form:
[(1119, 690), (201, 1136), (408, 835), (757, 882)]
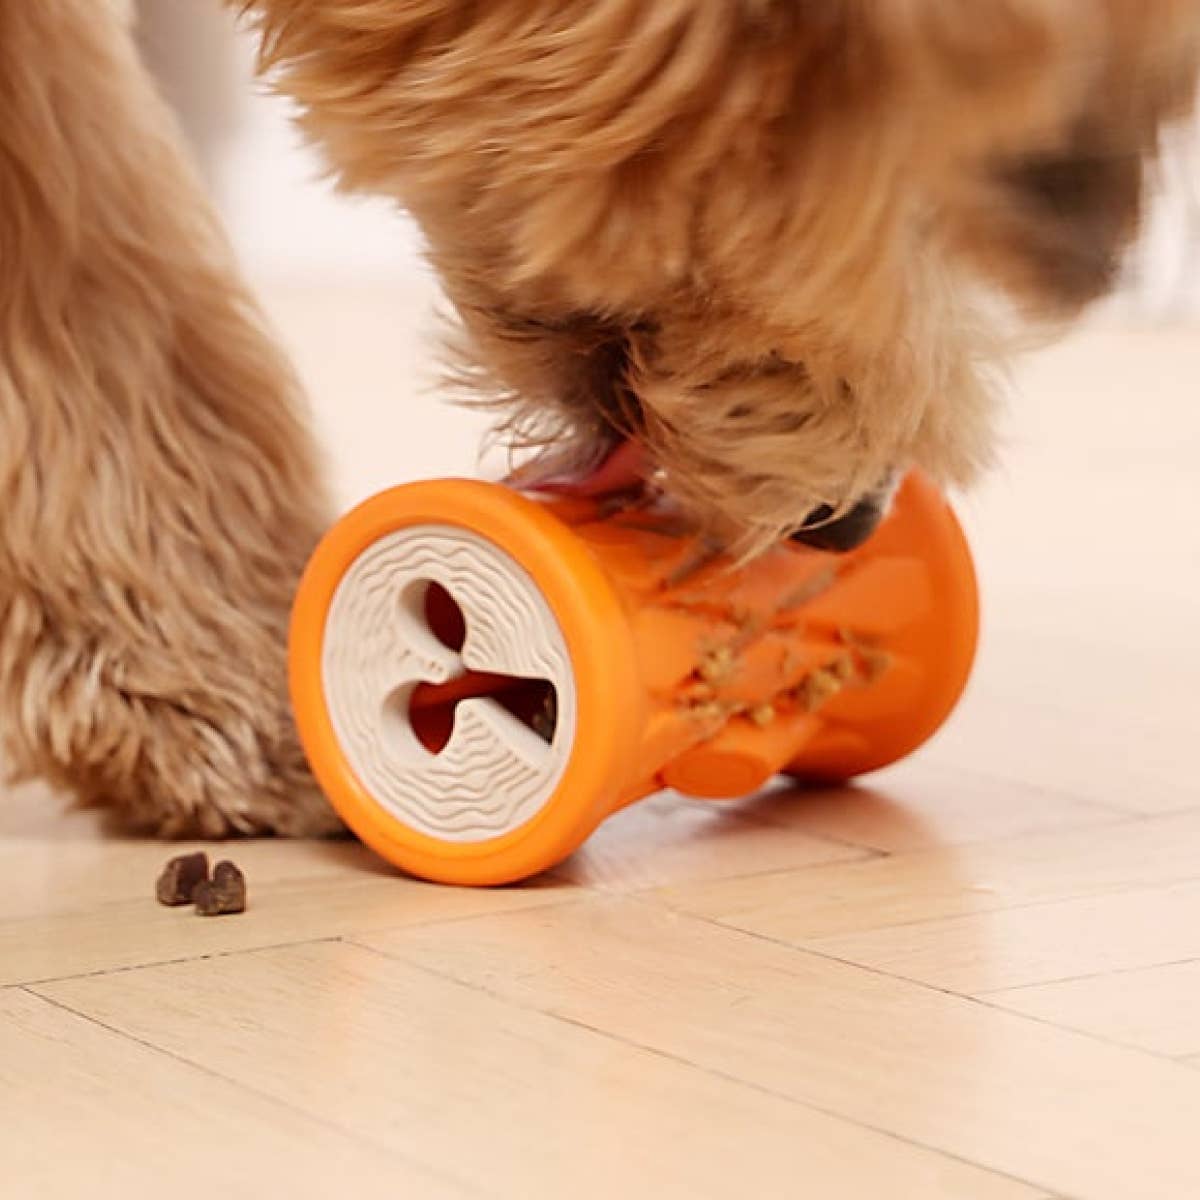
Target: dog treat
[(180, 878), (224, 893), (545, 719), (815, 689)]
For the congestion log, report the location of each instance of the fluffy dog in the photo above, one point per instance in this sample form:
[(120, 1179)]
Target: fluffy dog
[(159, 492), (751, 235)]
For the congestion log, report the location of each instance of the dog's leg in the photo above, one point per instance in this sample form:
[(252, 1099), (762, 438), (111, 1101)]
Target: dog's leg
[(158, 491)]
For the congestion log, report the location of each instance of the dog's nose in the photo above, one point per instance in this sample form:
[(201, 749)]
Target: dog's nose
[(824, 531)]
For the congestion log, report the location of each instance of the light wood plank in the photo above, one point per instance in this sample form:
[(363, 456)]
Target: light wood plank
[(796, 906), (1016, 947), (55, 861), (138, 932), (1157, 1008), (513, 1102), (671, 840), (1083, 705), (923, 804), (1086, 550), (1088, 529), (90, 1113), (1058, 1109), (1138, 680), (1103, 752)]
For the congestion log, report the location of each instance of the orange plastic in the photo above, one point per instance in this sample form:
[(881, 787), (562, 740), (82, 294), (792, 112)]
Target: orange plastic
[(706, 679)]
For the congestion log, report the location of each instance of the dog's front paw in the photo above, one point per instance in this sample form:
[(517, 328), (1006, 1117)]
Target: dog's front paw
[(228, 773), (181, 732)]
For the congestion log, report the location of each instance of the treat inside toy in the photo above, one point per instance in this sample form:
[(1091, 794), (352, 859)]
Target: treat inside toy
[(432, 706)]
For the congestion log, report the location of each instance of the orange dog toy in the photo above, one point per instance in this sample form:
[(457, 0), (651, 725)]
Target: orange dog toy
[(480, 678)]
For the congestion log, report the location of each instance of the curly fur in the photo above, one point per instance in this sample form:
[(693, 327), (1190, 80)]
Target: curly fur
[(748, 231), (158, 489)]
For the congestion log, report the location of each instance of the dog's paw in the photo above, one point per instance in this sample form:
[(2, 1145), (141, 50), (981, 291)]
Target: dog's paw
[(170, 736), (194, 774)]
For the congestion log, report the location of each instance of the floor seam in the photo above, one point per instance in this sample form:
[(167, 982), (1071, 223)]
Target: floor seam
[(275, 1101), (678, 1060), (924, 985)]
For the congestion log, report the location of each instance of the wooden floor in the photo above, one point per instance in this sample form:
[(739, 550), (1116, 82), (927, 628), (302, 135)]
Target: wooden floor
[(975, 977)]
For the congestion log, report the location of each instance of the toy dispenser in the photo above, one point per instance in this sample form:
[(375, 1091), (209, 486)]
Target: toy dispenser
[(480, 677)]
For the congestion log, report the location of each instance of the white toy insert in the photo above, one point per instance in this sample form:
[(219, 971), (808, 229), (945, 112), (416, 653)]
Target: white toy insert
[(495, 772)]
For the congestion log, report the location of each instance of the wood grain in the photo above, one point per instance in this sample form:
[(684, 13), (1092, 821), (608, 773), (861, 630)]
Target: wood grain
[(972, 977), (511, 1101), (1062, 1111), (88, 1112)]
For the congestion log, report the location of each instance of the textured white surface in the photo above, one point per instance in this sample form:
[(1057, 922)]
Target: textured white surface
[(495, 773)]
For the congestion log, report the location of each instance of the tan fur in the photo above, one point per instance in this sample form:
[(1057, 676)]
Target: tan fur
[(748, 229), (158, 492)]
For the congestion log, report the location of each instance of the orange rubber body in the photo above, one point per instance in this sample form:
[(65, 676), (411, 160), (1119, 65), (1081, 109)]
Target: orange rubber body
[(693, 675)]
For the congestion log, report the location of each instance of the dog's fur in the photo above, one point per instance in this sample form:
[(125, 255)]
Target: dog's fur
[(747, 230), (158, 489), (750, 232)]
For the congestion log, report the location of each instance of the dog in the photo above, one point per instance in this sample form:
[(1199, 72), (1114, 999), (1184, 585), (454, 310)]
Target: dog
[(159, 487), (763, 241)]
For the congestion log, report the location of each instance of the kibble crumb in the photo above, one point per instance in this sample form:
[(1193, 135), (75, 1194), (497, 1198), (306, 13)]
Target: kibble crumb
[(225, 893), (815, 689), (180, 878), (717, 665)]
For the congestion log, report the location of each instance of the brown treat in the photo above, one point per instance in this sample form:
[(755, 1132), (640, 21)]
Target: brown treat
[(545, 719), (717, 665), (815, 689), (180, 877), (224, 893), (843, 668)]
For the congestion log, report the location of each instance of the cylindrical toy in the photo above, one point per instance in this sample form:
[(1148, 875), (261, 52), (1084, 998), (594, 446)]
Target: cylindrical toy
[(480, 677)]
